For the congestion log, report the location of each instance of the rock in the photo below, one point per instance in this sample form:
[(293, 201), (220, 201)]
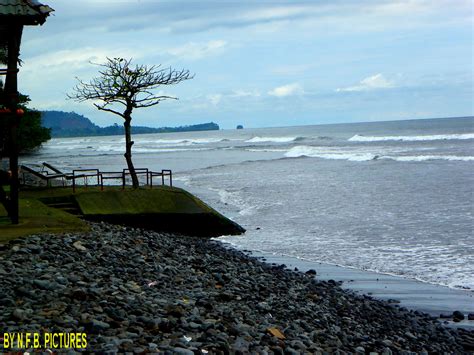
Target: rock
[(61, 280), (45, 285), (264, 306), (6, 302), (241, 346), (35, 249), (257, 308), (194, 325), (98, 326), (310, 272), (19, 314), (182, 351), (78, 245), (410, 335), (175, 310), (458, 316), (470, 316), (298, 344), (79, 294)]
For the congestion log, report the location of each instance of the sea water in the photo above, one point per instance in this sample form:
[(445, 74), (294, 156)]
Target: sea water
[(392, 197)]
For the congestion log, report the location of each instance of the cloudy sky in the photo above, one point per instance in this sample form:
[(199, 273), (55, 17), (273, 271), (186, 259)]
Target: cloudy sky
[(264, 63)]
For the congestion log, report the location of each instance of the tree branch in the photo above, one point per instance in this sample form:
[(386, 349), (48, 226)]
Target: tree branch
[(102, 108), (120, 83)]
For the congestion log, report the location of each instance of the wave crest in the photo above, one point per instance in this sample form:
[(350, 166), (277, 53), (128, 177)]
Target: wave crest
[(315, 152), (434, 137), (258, 139)]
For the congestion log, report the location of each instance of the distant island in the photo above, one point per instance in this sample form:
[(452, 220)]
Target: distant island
[(71, 124)]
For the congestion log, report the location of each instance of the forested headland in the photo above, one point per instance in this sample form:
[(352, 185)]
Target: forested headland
[(71, 124)]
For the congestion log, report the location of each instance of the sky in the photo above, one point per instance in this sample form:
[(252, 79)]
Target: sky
[(263, 63)]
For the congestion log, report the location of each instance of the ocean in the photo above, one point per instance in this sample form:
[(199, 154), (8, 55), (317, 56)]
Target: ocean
[(391, 197)]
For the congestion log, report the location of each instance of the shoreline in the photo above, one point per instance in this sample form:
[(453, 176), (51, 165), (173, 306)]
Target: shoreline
[(425, 297), (134, 290)]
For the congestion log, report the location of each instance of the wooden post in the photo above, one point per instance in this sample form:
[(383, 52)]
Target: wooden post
[(11, 96)]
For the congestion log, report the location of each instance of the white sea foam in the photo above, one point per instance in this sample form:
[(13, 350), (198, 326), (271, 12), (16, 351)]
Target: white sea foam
[(167, 150), (187, 140), (360, 138), (275, 150), (120, 149), (234, 198), (429, 157), (185, 180), (315, 152), (258, 139)]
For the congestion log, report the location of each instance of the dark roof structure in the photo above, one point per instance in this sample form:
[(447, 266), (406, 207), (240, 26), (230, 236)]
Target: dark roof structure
[(29, 8), (20, 12)]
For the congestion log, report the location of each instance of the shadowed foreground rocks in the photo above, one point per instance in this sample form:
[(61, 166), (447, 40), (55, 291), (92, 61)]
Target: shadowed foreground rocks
[(141, 291)]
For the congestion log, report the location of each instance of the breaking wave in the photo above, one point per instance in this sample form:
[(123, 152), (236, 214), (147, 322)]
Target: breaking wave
[(189, 141), (258, 139), (314, 152), (435, 137), (120, 149), (430, 157)]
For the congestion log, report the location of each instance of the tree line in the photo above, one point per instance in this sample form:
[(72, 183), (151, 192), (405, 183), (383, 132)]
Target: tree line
[(72, 124)]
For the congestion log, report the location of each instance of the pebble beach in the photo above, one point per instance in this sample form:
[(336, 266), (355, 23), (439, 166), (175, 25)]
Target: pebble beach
[(139, 291)]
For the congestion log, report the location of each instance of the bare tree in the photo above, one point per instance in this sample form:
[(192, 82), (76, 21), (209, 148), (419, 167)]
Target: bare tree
[(122, 87)]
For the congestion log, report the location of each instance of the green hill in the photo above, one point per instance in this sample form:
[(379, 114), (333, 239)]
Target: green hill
[(71, 124)]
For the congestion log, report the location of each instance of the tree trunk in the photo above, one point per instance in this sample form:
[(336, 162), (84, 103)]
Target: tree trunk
[(11, 94), (128, 152), (4, 200)]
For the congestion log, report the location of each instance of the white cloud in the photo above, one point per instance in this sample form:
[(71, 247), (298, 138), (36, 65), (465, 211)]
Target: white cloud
[(214, 98), (275, 12), (373, 82), (243, 93), (195, 51), (77, 58), (286, 90)]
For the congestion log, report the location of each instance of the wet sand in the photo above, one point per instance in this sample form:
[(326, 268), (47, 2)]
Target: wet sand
[(412, 294)]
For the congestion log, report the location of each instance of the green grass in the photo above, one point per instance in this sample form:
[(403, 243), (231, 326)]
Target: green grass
[(114, 200), (36, 217), (140, 201)]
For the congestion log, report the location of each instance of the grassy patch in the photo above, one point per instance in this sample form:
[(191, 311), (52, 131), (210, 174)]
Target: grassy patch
[(140, 201), (36, 217), (161, 208)]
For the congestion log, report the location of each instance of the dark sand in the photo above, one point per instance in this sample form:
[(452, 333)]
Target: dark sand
[(412, 294)]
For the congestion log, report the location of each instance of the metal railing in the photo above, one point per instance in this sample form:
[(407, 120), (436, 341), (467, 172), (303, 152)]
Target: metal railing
[(111, 175), (164, 172), (84, 174), (96, 177), (139, 171)]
